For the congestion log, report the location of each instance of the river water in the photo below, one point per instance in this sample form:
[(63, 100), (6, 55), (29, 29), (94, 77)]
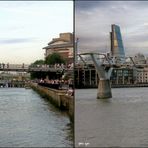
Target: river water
[(121, 121), (27, 120)]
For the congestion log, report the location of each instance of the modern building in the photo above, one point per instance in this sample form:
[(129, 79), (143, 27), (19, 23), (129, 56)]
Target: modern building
[(62, 45), (117, 49), (122, 76)]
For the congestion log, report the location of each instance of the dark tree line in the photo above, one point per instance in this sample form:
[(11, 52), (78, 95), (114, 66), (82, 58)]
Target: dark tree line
[(49, 60)]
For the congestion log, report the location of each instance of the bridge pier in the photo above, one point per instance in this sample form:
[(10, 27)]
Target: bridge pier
[(104, 89)]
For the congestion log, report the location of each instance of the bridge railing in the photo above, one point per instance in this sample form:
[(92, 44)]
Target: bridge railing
[(44, 67), (14, 66)]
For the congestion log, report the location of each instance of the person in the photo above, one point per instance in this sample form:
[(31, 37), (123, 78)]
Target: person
[(7, 65), (3, 65), (41, 81), (70, 92), (23, 65)]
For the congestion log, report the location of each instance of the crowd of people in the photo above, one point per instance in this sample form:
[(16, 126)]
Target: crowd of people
[(58, 84), (56, 66), (56, 81), (69, 66)]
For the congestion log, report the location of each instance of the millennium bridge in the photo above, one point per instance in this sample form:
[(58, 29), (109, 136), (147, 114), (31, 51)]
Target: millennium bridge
[(104, 66)]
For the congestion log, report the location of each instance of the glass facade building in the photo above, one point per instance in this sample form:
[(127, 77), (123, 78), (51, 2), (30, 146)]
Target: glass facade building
[(117, 49)]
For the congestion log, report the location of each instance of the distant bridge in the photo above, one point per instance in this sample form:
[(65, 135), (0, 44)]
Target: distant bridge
[(110, 62), (27, 68)]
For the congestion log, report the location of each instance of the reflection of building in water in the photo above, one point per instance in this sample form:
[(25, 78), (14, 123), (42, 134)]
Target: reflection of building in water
[(117, 49), (62, 45)]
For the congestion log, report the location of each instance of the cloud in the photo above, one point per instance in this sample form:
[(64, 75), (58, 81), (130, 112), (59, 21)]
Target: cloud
[(90, 5), (30, 25), (145, 24), (94, 18), (16, 40)]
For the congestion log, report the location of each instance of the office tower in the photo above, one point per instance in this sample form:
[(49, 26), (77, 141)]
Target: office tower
[(117, 49)]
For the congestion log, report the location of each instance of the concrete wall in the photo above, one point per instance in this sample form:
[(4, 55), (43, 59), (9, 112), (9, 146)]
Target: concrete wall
[(57, 98), (68, 102)]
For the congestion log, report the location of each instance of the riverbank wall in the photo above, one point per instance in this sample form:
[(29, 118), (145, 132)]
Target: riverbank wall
[(57, 97)]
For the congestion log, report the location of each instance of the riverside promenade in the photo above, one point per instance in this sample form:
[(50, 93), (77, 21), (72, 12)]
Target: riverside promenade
[(57, 97)]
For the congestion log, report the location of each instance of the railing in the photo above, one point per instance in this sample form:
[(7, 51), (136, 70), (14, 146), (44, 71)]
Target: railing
[(25, 67)]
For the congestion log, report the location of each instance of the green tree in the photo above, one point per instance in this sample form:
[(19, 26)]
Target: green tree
[(37, 74), (54, 58), (38, 62)]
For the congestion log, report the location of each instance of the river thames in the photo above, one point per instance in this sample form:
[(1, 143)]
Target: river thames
[(28, 120), (121, 121)]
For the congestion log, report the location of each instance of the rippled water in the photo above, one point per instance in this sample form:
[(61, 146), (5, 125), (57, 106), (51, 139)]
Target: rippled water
[(27, 120), (121, 121)]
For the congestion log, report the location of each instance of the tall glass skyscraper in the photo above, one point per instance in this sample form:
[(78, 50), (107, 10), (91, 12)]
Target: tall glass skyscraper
[(117, 49)]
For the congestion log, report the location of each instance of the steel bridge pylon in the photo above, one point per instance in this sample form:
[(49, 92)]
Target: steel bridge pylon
[(104, 88)]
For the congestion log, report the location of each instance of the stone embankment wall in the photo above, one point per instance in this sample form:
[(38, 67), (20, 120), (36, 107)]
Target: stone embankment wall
[(57, 98)]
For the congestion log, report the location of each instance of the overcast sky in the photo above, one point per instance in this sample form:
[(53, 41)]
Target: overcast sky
[(93, 24), (27, 26)]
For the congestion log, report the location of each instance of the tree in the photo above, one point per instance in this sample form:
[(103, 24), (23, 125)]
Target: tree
[(36, 74), (54, 58), (38, 62)]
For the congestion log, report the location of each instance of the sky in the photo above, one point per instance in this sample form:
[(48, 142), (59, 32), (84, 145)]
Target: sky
[(93, 21), (28, 26)]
